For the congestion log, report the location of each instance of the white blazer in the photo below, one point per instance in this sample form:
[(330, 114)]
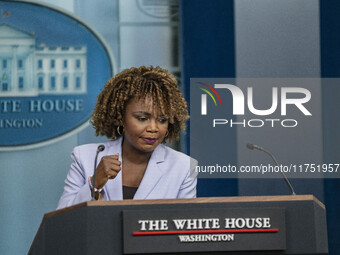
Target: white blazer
[(169, 174)]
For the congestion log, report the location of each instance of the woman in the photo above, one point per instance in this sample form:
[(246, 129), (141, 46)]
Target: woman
[(140, 108)]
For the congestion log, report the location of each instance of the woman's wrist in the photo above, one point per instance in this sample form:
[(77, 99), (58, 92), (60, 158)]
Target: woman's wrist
[(96, 190)]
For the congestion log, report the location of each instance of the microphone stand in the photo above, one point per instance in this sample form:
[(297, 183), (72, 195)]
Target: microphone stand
[(253, 146)]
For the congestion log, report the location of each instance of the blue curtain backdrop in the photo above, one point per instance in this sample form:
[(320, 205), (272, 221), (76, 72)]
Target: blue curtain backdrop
[(330, 68), (208, 50)]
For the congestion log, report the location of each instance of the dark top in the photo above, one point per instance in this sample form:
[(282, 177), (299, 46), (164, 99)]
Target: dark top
[(129, 192)]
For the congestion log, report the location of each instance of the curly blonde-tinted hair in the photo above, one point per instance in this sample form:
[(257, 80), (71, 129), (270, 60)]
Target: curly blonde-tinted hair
[(143, 82)]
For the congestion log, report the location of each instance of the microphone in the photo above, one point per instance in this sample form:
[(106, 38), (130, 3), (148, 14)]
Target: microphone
[(99, 149), (251, 146)]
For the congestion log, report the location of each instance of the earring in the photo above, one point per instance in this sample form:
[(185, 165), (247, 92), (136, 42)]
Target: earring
[(167, 133), (118, 131)]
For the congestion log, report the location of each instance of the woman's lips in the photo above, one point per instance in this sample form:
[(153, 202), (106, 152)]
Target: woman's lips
[(149, 140)]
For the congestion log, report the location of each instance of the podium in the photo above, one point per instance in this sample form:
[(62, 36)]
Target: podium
[(215, 225)]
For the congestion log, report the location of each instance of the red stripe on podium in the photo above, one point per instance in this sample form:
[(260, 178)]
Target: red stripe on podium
[(183, 232)]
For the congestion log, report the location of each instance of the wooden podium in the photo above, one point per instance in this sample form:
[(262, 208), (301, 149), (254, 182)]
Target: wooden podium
[(247, 225)]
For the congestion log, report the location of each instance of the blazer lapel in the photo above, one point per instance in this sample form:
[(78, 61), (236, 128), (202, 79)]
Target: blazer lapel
[(153, 173), (114, 188)]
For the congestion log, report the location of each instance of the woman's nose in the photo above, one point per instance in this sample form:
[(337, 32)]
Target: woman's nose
[(152, 127)]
